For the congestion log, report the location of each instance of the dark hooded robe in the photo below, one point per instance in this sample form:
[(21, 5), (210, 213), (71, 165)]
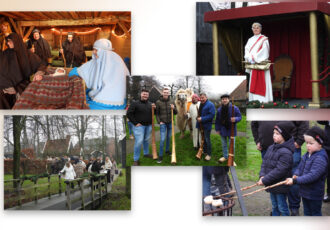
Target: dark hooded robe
[(29, 62), (74, 52), (42, 48), (10, 76)]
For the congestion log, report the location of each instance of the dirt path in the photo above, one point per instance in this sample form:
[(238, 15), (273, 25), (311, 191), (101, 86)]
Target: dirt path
[(259, 204)]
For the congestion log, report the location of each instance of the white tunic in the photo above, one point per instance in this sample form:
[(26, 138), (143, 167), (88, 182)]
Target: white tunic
[(256, 51), (193, 113)]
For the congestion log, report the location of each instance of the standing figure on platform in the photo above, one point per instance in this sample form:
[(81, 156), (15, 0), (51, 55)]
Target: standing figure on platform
[(73, 51), (256, 56), (38, 45)]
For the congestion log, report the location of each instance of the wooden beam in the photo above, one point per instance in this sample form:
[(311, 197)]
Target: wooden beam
[(9, 14), (74, 15), (79, 22), (14, 25), (28, 33), (124, 28), (19, 27)]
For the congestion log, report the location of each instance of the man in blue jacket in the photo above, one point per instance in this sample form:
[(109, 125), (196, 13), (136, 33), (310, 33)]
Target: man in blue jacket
[(223, 123), (206, 114)]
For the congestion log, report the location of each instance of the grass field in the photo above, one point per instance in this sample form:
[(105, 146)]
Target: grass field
[(117, 199), (185, 153)]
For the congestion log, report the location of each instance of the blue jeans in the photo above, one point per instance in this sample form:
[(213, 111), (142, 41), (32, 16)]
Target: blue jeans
[(207, 142), (312, 207), (279, 205), (206, 182), (293, 195), (224, 140), (130, 127), (165, 131), (142, 137)]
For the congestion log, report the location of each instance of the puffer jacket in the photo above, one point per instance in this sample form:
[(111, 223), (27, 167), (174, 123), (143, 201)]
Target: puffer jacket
[(312, 172), (163, 110), (277, 165)]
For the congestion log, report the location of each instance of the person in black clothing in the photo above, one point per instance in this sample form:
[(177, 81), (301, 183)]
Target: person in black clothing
[(38, 45), (73, 51), (326, 147), (263, 135), (139, 113)]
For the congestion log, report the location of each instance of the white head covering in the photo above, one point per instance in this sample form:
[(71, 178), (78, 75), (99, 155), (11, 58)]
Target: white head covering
[(105, 75)]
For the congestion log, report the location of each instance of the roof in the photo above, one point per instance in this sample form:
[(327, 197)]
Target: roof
[(267, 10), (239, 93), (60, 146)]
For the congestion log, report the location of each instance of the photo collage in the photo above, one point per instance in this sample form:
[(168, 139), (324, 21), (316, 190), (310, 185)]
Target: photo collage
[(261, 57)]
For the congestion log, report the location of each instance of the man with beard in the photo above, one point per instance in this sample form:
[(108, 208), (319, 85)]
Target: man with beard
[(139, 113), (38, 45), (193, 113), (73, 51), (223, 123), (205, 117)]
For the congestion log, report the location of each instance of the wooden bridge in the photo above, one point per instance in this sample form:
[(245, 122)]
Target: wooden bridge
[(80, 194)]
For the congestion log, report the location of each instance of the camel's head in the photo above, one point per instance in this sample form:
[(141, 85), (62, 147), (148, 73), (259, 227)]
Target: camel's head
[(181, 97)]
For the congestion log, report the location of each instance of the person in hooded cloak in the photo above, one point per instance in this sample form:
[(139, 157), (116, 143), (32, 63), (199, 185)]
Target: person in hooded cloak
[(73, 51), (105, 77), (38, 45)]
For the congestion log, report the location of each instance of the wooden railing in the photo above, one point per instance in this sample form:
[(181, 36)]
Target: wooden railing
[(91, 194), (17, 193)]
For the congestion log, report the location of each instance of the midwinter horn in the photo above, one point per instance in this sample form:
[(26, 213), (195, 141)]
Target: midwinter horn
[(200, 150), (231, 148), (173, 159), (153, 137)]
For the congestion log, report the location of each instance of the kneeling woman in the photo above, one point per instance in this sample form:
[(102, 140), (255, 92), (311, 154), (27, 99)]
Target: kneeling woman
[(105, 77)]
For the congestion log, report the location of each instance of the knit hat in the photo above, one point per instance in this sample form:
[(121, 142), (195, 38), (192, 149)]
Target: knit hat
[(285, 128), (317, 133), (225, 95), (195, 96)]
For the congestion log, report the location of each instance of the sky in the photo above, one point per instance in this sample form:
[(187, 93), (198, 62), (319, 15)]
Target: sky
[(214, 85)]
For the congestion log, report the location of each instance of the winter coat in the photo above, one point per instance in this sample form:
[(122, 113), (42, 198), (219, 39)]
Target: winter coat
[(300, 127), (207, 115), (277, 165), (219, 127), (163, 110), (79, 168), (69, 173), (140, 112), (326, 145), (312, 172), (263, 132)]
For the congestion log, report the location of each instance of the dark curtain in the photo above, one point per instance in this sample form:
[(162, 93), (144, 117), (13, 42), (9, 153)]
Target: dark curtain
[(291, 37), (230, 37)]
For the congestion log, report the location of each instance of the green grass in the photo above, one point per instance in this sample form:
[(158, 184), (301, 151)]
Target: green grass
[(117, 199), (250, 171), (185, 153)]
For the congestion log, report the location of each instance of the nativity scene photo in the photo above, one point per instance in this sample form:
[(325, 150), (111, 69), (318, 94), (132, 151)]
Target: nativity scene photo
[(64, 60)]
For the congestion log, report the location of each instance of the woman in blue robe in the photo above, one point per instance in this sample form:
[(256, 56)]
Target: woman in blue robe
[(105, 78)]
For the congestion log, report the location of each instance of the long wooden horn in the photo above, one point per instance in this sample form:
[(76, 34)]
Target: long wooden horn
[(153, 137), (173, 159), (200, 150), (231, 148)]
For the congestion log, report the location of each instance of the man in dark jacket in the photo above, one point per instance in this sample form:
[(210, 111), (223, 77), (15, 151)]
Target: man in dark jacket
[(223, 123), (163, 115), (206, 114), (277, 165), (139, 113)]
